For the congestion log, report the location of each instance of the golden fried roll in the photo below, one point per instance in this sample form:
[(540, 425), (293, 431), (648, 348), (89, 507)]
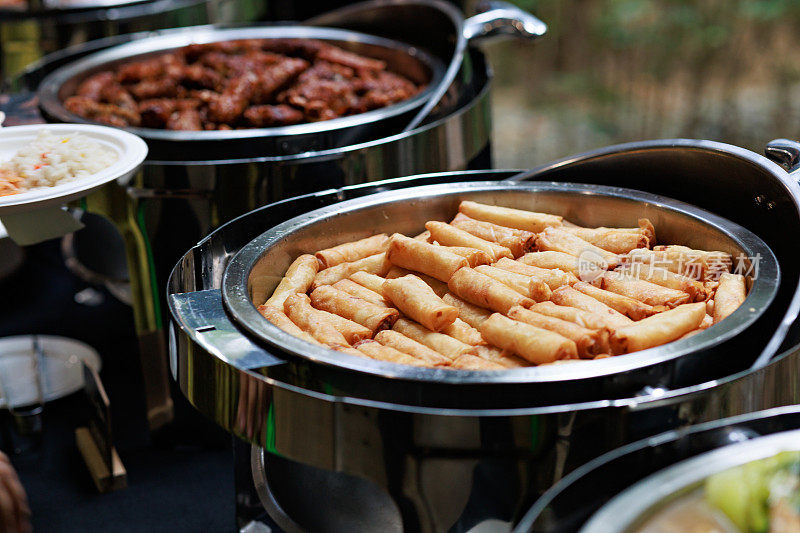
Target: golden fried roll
[(416, 300), (353, 251), (374, 264), (352, 331), (347, 349), (352, 308), (707, 322), (661, 276), (511, 218), (439, 342), (533, 344), (469, 313), (627, 306), (354, 289), (525, 285), (618, 240), (485, 291), (501, 357), (710, 307), (554, 277), (279, 319), (438, 287), (658, 329), (464, 332), (561, 240), (580, 317), (573, 298), (448, 235), (730, 294), (694, 264), (644, 291), (472, 362), (376, 350), (298, 308), (473, 256), (589, 342), (552, 259), (298, 278), (419, 256), (424, 236), (517, 240), (369, 281), (398, 341)]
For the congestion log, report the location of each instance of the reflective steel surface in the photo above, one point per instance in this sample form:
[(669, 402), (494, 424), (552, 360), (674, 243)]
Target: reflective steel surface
[(708, 447), (457, 467), (256, 270), (409, 61)]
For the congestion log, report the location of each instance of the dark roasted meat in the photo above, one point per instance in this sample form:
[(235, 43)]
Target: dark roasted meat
[(249, 83)]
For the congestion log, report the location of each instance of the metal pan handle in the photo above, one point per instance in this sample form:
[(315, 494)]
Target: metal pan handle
[(786, 153), (496, 19)]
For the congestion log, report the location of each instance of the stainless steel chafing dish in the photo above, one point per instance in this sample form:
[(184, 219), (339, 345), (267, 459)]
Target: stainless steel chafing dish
[(390, 458), (165, 145), (621, 490), (254, 272)]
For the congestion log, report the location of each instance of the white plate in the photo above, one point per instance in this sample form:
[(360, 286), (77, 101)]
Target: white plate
[(130, 150), (62, 372)]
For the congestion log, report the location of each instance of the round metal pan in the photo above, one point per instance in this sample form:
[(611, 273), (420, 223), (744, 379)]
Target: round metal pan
[(406, 211), (632, 508), (401, 58)]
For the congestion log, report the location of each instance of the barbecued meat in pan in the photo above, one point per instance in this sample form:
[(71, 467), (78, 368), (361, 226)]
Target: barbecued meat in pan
[(250, 83)]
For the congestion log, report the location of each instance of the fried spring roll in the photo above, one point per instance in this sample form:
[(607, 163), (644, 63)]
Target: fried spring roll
[(439, 342), (429, 259), (730, 294), (464, 332), (448, 235), (618, 240), (473, 362), (298, 308), (279, 318), (352, 251), (707, 322), (438, 287), (589, 342), (351, 331), (473, 256), (398, 341), (533, 344), (658, 329), (552, 259), (354, 289), (529, 286), (561, 240), (580, 317), (554, 277), (511, 218), (661, 276), (352, 308), (376, 350), (374, 264), (568, 296), (416, 300), (629, 307), (644, 291), (469, 313), (298, 278), (517, 240), (485, 291), (369, 281), (694, 264), (424, 236), (501, 357)]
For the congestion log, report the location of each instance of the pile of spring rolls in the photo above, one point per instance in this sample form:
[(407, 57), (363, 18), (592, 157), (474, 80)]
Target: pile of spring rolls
[(501, 288)]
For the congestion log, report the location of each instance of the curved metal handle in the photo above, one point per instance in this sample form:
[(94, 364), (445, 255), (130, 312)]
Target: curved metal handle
[(496, 19), (785, 152)]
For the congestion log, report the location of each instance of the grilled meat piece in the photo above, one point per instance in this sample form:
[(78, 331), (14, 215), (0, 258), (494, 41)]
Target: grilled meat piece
[(100, 112), (267, 116), (92, 86)]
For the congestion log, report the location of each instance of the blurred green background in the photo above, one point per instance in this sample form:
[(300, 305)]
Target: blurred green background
[(612, 71)]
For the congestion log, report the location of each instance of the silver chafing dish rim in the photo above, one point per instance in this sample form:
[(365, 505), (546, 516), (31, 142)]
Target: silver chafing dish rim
[(236, 293)]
